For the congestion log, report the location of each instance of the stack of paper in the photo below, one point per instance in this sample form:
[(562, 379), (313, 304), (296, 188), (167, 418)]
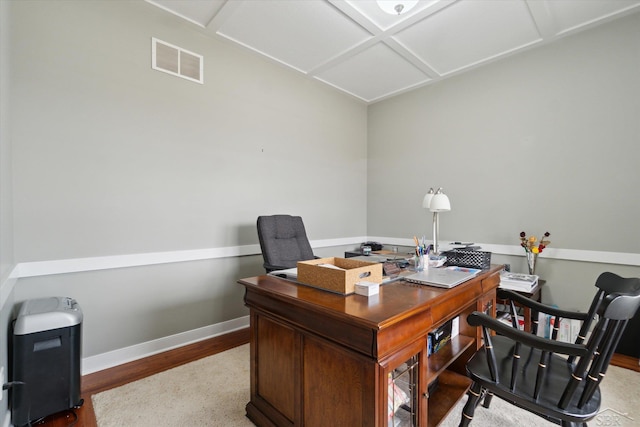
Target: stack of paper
[(518, 281), (290, 273)]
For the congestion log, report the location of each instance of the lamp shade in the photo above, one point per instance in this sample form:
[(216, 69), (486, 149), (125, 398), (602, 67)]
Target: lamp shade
[(439, 202), (426, 202)]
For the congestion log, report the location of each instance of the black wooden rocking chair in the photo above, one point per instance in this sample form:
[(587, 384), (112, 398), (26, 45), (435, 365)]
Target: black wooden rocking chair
[(555, 380)]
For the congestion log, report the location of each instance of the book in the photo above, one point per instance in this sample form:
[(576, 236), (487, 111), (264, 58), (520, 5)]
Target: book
[(567, 331), (506, 319), (518, 281)]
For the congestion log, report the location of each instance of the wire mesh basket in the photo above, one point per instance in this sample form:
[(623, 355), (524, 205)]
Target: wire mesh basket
[(468, 258)]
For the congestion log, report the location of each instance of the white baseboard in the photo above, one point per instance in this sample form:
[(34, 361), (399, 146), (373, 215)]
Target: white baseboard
[(7, 419), (113, 358)]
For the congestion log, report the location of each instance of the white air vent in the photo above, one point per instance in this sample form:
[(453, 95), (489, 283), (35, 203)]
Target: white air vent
[(177, 61)]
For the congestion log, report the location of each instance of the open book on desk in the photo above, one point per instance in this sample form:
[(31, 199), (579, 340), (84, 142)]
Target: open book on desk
[(447, 277)]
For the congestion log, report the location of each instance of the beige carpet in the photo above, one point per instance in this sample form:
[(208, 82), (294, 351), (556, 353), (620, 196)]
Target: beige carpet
[(213, 392)]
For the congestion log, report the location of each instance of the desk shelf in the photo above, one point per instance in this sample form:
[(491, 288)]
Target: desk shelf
[(440, 361), (451, 387)]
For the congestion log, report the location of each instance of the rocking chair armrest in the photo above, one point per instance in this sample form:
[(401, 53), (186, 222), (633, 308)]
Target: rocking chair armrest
[(506, 294), (480, 319)]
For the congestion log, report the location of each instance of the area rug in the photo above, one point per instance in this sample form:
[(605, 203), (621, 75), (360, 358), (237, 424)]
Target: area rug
[(214, 391), (208, 392)]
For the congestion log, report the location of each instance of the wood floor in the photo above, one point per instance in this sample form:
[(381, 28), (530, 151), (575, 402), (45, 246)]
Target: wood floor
[(624, 361), (123, 374)]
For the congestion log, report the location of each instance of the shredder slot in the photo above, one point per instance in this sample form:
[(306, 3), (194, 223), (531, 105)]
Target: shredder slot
[(48, 344)]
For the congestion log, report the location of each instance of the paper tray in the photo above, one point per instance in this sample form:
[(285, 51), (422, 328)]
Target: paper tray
[(338, 274)]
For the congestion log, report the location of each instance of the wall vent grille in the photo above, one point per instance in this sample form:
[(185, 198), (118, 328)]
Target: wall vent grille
[(176, 61)]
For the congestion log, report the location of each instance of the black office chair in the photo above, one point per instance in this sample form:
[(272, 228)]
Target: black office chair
[(555, 380), (284, 242)]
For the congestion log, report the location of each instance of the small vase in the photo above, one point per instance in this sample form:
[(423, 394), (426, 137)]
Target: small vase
[(531, 262)]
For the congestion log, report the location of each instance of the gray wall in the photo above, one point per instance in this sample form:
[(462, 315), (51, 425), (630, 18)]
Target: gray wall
[(7, 263), (543, 141), (113, 158)]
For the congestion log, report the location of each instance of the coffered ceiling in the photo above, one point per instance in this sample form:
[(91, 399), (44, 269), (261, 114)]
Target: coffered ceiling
[(357, 48)]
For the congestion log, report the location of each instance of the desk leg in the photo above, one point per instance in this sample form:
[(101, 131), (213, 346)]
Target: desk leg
[(527, 319)]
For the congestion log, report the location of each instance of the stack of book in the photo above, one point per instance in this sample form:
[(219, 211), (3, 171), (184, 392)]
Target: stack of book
[(567, 332), (438, 338), (518, 281)]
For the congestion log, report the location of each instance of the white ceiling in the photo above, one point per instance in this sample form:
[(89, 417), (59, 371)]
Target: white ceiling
[(357, 48)]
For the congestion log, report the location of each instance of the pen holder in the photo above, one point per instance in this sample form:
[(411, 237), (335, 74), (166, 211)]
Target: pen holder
[(419, 261)]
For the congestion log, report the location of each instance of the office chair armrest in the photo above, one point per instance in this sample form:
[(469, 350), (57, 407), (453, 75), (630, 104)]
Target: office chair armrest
[(272, 267), (506, 294), (480, 319)]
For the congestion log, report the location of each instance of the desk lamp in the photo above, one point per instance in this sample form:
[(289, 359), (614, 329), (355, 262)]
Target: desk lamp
[(436, 202)]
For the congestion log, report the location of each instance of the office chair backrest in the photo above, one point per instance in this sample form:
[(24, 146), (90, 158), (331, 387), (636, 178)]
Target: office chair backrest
[(283, 240)]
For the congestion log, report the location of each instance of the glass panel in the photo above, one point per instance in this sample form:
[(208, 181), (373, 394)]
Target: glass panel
[(403, 394)]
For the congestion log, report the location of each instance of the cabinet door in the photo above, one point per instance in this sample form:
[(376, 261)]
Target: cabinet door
[(338, 385), (403, 387), (275, 362)]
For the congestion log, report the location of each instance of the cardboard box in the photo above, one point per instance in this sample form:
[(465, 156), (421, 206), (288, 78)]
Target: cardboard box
[(338, 274)]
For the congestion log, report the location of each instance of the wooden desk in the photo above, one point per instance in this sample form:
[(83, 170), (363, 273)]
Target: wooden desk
[(324, 359)]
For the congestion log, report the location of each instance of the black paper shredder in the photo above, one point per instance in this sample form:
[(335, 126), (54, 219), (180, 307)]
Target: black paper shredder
[(47, 339)]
